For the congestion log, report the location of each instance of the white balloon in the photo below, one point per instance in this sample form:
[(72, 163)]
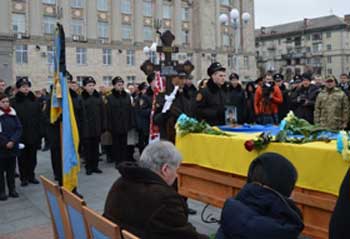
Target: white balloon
[(246, 17), (234, 14), (223, 19)]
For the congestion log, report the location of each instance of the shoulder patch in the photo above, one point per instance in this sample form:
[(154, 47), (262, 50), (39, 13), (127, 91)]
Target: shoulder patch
[(199, 97)]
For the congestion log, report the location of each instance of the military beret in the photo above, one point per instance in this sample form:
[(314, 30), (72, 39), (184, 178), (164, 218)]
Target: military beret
[(88, 80), (117, 79), (215, 67), (234, 76), (23, 81), (278, 77)]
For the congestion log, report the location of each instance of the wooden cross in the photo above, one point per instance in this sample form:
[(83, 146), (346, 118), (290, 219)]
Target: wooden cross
[(167, 67)]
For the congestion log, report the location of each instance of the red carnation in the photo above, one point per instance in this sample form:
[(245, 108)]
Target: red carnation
[(249, 145)]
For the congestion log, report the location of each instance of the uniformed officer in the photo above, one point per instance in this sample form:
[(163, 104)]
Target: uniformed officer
[(210, 101)]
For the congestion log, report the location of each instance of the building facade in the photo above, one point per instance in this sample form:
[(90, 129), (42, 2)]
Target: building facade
[(105, 38), (320, 45)]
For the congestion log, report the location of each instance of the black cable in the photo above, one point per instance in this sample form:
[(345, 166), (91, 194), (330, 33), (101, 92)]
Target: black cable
[(208, 219)]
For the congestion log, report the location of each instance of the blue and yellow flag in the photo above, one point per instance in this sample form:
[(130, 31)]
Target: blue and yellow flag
[(61, 105)]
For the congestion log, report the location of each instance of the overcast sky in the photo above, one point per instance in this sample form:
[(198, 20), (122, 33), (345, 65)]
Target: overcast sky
[(274, 12)]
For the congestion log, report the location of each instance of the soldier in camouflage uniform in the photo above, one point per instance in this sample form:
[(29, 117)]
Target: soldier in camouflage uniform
[(331, 107)]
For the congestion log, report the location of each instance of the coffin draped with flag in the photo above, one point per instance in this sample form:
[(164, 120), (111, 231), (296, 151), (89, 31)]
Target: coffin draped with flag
[(62, 108)]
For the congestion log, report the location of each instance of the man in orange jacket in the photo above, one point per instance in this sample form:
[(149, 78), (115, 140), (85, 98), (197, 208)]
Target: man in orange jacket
[(267, 98)]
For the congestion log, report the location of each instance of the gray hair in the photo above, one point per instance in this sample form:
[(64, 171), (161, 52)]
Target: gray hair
[(155, 155)]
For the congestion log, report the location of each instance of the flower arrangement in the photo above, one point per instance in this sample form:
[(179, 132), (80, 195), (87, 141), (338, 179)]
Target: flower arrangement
[(186, 125), (259, 143), (343, 145)]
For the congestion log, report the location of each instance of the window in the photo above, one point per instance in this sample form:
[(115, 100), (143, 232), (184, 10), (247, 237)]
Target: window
[(50, 55), (308, 37), (131, 79), (329, 34), (329, 59), (167, 11), (49, 25), (107, 80), (126, 6), (22, 54), (126, 31), (225, 2), (147, 9), (18, 23), (230, 61), (347, 59), (130, 57), (147, 33), (50, 80), (225, 40), (77, 3), (185, 14), (246, 62), (317, 47), (80, 80), (329, 71), (316, 36), (107, 56), (308, 49), (77, 27), (103, 30), (185, 37), (102, 5), (49, 1), (329, 47), (81, 56)]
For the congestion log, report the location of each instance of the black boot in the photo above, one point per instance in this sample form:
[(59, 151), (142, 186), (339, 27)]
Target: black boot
[(13, 194), (3, 197)]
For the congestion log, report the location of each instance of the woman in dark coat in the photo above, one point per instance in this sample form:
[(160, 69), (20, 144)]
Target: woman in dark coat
[(340, 222), (249, 102), (263, 208), (10, 134)]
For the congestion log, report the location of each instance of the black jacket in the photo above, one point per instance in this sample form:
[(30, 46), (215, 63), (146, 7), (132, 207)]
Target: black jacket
[(259, 213), (29, 113), (304, 102), (143, 108), (141, 202), (166, 121), (235, 97), (340, 221), (93, 123), (210, 104), (10, 130), (119, 112), (283, 109)]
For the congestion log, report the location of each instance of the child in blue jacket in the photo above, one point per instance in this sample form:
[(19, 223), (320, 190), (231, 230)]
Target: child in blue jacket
[(10, 133)]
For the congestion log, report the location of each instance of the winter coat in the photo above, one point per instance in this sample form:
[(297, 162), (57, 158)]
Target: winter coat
[(259, 212), (143, 108), (29, 114), (235, 97), (78, 108), (166, 121), (332, 109), (340, 220), (94, 120), (305, 102), (10, 131), (141, 202), (283, 108), (210, 104), (269, 107), (119, 112)]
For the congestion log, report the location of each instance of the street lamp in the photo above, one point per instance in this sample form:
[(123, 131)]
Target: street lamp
[(233, 19)]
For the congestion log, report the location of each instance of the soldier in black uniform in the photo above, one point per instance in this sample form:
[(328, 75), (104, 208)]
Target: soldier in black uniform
[(93, 124), (120, 119), (29, 113), (210, 101)]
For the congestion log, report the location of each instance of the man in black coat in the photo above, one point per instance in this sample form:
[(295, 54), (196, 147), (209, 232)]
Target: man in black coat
[(210, 101), (235, 97), (143, 201), (304, 100), (93, 124), (29, 113), (120, 119), (283, 109)]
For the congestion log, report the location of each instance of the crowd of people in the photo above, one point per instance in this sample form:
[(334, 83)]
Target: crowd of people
[(116, 121)]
